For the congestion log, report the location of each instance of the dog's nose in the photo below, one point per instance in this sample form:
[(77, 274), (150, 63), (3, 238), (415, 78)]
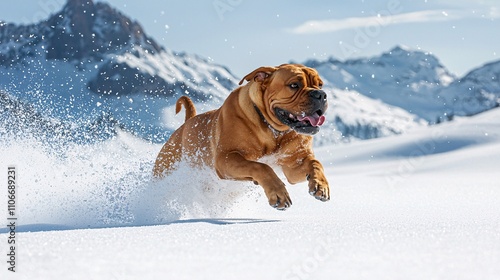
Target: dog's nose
[(318, 94)]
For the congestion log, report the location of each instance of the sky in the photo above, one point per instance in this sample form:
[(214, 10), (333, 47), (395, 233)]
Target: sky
[(243, 34)]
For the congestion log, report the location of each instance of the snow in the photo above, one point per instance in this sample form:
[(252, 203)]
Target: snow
[(422, 205)]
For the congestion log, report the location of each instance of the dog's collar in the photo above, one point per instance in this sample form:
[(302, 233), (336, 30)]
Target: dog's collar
[(274, 130)]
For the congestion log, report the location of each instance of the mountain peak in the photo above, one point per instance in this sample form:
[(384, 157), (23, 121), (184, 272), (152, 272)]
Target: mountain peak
[(415, 59), (84, 29), (405, 51), (71, 30), (401, 49), (78, 10), (76, 5)]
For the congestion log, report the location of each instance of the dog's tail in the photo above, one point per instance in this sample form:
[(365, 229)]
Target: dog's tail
[(188, 105)]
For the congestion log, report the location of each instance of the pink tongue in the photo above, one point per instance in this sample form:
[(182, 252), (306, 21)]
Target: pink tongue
[(315, 119)]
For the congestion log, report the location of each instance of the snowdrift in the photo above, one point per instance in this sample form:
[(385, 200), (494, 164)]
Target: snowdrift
[(420, 205)]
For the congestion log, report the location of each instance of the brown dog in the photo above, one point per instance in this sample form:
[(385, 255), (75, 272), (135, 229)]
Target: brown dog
[(275, 113)]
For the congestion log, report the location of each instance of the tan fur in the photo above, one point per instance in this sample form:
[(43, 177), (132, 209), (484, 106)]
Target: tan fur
[(188, 105), (234, 137)]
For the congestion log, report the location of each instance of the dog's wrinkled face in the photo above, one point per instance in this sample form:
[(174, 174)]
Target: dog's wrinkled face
[(290, 96)]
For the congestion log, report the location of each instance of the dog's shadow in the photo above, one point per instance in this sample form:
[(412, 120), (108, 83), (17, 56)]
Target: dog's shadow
[(229, 221), (213, 221)]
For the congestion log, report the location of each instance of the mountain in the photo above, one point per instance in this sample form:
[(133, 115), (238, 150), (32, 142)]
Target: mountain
[(88, 67), (401, 77), (129, 61), (89, 59), (415, 81), (477, 91)]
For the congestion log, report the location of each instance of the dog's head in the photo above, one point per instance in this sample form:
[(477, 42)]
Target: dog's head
[(289, 96)]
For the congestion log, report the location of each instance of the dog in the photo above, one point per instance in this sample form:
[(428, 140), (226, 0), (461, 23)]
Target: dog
[(275, 113)]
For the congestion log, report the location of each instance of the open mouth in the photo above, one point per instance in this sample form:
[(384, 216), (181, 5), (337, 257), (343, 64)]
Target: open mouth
[(304, 123)]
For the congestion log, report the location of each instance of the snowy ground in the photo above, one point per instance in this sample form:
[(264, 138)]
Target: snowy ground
[(424, 205)]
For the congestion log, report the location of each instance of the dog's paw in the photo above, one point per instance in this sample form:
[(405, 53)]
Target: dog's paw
[(279, 199), (319, 189)]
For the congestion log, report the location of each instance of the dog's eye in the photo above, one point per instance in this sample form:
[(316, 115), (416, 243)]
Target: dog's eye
[(294, 86)]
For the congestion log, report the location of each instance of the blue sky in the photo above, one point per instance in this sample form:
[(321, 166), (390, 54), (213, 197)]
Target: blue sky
[(244, 34)]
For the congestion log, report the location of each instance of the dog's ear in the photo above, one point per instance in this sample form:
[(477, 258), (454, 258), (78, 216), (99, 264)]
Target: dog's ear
[(259, 74)]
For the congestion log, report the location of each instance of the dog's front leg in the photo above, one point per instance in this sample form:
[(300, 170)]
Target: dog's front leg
[(309, 169), (234, 165)]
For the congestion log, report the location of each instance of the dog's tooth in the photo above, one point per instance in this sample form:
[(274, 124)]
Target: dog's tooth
[(291, 116)]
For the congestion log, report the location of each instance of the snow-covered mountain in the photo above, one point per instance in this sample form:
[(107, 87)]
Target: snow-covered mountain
[(477, 91), (90, 64), (415, 81), (122, 57), (401, 77), (89, 59)]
